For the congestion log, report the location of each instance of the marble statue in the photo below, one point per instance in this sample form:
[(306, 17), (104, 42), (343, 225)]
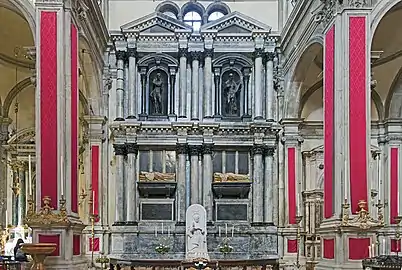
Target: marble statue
[(156, 93), (231, 90), (196, 232), (231, 177), (157, 176)]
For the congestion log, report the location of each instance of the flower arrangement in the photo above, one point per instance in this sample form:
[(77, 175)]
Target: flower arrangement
[(162, 249), (102, 260), (225, 248)]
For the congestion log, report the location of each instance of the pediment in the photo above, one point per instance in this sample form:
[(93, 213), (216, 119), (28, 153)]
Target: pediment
[(236, 22), (155, 23)]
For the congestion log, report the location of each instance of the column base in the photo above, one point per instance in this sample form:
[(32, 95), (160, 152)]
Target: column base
[(131, 117), (218, 117), (172, 117), (259, 118), (270, 120), (246, 118), (119, 119), (143, 117)]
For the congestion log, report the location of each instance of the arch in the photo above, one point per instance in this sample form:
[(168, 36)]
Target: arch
[(192, 6), (154, 58), (308, 94), (217, 7), (84, 103), (168, 6), (26, 135), (237, 58), (390, 98), (14, 92), (27, 10), (379, 11), (376, 98)]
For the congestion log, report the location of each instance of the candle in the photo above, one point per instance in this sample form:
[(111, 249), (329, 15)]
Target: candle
[(379, 176), (61, 177), (369, 250), (297, 205), (168, 231), (156, 231), (93, 202), (29, 175), (383, 246), (219, 231), (226, 230), (345, 185), (162, 228), (232, 231), (373, 250), (6, 219)]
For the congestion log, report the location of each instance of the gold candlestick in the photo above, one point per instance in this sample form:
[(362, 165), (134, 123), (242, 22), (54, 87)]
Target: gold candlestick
[(298, 236), (93, 217)]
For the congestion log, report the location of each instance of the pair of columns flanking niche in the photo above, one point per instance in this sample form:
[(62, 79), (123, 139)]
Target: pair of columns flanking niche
[(264, 184), (210, 73)]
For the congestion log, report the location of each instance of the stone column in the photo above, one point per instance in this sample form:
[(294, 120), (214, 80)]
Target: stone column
[(208, 53), (207, 179), (131, 182), (144, 98), (217, 79), (181, 151), (194, 151), (269, 91), (22, 195), (120, 152), (270, 182), (246, 90), (183, 82), (172, 96), (120, 56), (132, 83), (195, 57), (258, 96), (258, 183)]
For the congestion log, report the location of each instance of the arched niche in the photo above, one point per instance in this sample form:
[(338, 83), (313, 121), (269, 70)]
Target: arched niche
[(169, 8), (231, 89), (217, 7), (158, 89), (192, 6)]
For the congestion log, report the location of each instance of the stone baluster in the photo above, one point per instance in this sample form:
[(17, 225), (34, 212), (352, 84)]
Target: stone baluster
[(258, 92), (269, 184), (269, 92), (132, 83), (194, 151), (22, 195), (246, 90), (143, 74), (208, 83), (183, 82), (120, 56), (172, 81), (181, 151), (131, 182), (207, 179), (195, 57), (217, 79), (120, 151), (258, 183)]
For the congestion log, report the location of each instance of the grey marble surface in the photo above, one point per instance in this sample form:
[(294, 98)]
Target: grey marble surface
[(139, 242)]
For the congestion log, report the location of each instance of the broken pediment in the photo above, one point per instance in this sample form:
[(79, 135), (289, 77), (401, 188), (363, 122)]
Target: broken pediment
[(155, 23), (236, 22)]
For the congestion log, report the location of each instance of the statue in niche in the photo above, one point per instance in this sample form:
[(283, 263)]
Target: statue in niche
[(196, 232), (158, 93), (231, 94)]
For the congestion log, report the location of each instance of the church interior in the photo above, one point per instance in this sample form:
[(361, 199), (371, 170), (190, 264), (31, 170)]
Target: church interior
[(195, 134)]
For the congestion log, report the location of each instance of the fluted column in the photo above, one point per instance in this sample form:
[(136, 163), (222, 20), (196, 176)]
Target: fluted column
[(208, 83), (194, 151), (195, 57), (120, 56), (246, 79), (183, 82), (258, 183), (132, 82), (22, 195), (258, 95), (181, 151), (269, 91), (144, 98), (172, 96), (120, 152), (131, 182), (270, 196), (207, 179), (217, 80)]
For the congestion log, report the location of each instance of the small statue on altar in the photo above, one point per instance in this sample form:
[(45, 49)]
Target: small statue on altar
[(196, 232)]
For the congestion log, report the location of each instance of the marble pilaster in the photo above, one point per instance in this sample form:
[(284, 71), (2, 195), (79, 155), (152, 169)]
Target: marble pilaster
[(269, 184), (217, 80), (131, 182), (120, 56), (120, 151), (183, 82), (194, 152), (143, 76), (132, 82), (207, 179), (269, 91), (22, 193), (258, 92), (246, 96), (258, 183), (172, 80), (195, 58), (208, 53), (181, 152)]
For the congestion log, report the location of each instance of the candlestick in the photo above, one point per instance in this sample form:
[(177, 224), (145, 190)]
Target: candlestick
[(345, 185), (156, 231), (373, 250), (61, 177), (29, 175), (162, 228), (93, 202), (6, 219), (219, 231), (226, 230), (383, 246), (379, 176), (369, 249), (232, 231)]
